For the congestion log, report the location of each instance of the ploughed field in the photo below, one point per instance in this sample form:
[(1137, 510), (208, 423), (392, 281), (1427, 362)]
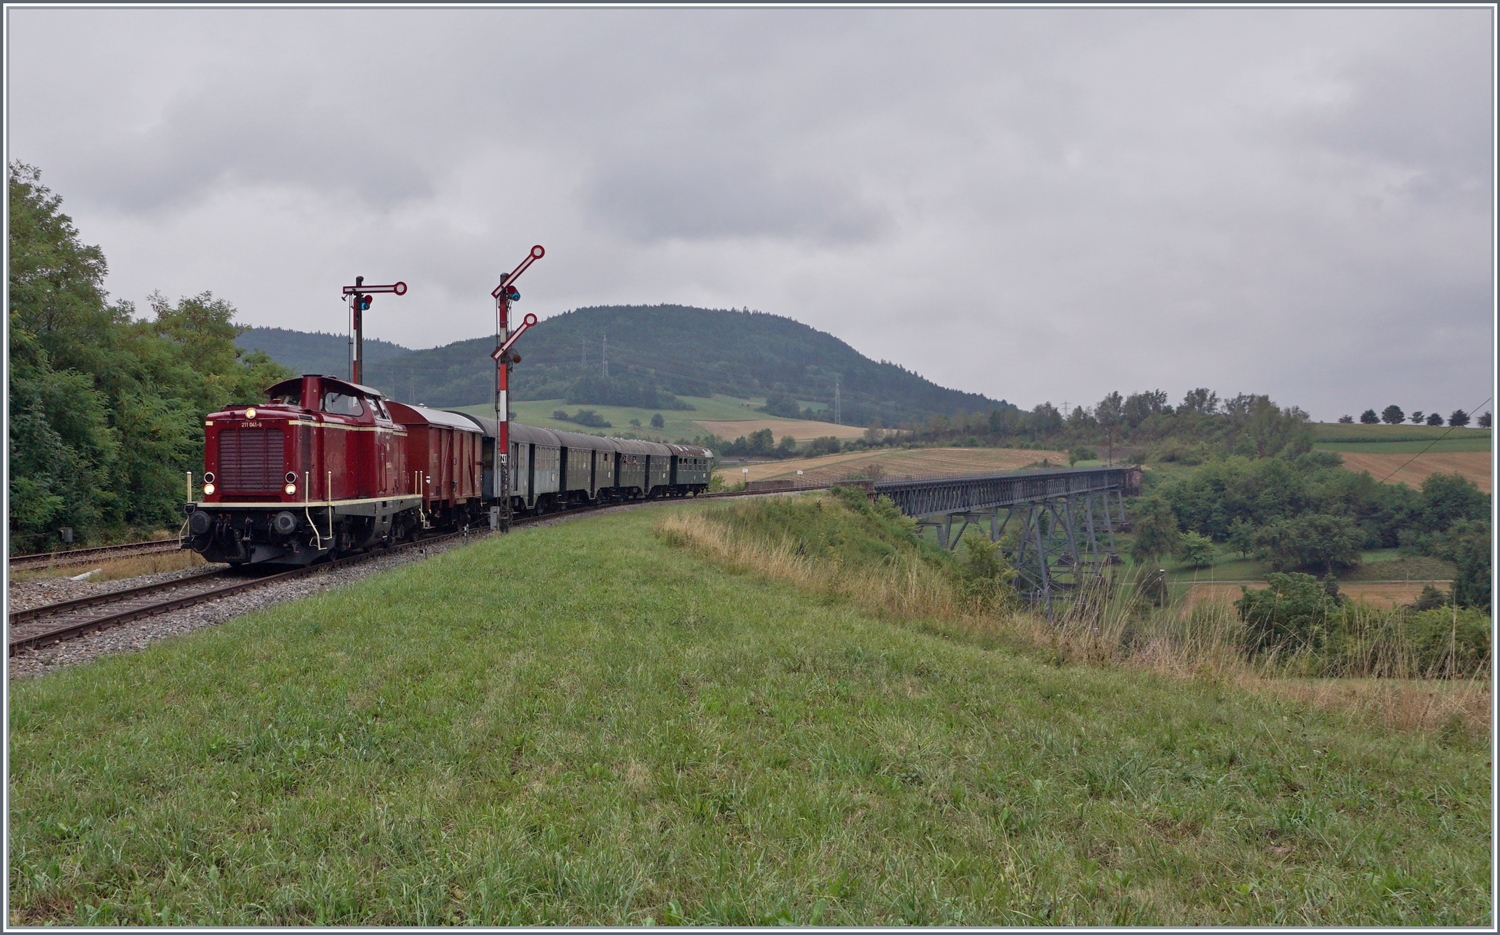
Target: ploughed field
[(549, 728), (1411, 469)]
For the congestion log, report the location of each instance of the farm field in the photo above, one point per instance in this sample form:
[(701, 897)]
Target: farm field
[(901, 462), (1334, 435), (1386, 594), (731, 416), (1475, 465), (803, 430), (546, 728)]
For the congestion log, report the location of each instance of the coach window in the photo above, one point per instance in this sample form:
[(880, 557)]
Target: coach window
[(342, 404)]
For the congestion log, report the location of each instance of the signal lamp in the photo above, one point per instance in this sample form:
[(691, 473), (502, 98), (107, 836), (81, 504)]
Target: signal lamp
[(514, 296), (290, 488), (364, 302), (250, 413), (208, 490)]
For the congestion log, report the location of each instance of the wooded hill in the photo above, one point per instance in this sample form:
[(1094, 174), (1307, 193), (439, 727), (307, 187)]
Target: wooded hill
[(313, 352), (657, 353)]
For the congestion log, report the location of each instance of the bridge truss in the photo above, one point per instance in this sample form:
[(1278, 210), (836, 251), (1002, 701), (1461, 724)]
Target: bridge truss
[(1066, 519)]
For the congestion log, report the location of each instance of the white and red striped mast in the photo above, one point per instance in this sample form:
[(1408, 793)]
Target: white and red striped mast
[(504, 294)]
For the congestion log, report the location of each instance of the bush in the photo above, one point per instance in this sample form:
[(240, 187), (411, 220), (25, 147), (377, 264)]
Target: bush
[(1368, 417), (1313, 540), (823, 445), (1082, 453), (1289, 615)]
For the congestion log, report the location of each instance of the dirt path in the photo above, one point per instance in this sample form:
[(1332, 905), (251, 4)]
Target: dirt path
[(1377, 593)]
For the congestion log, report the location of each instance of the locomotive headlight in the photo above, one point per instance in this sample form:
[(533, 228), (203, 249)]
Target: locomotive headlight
[(208, 490), (208, 477), (250, 413), (290, 489)]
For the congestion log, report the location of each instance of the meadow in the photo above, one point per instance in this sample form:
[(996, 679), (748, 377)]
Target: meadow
[(546, 728), (679, 423)]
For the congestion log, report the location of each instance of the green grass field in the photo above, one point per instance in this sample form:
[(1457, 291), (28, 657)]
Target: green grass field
[(1395, 439), (680, 423), (547, 728)]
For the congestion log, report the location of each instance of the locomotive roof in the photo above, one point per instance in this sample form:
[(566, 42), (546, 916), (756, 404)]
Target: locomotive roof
[(369, 391)]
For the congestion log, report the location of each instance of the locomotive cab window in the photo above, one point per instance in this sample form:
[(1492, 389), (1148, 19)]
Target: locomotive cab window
[(288, 398), (342, 404), (380, 409)]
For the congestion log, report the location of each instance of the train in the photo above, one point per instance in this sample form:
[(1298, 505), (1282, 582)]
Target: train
[(327, 467)]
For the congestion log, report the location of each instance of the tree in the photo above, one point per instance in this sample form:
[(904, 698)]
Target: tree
[(1458, 419), (1346, 420), (1200, 400), (1484, 420), (1312, 540), (1434, 419), (1081, 453), (1156, 531), (787, 447), (1242, 537), (1368, 417), (1196, 551), (1417, 416), (657, 421), (1392, 415)]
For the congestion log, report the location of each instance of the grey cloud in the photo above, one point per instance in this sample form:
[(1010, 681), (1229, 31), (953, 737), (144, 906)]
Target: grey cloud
[(709, 199)]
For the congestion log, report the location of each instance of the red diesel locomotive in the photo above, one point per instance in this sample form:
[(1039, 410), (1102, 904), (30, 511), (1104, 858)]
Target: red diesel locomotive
[(327, 466)]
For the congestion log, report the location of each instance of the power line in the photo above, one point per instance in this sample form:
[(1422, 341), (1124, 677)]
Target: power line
[(1429, 445)]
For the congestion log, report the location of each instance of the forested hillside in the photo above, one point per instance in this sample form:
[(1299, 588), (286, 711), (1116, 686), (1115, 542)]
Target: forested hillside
[(314, 352), (106, 410), (659, 352)]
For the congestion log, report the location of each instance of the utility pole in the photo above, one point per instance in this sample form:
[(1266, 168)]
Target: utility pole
[(359, 298), (838, 412), (504, 294), (606, 353)]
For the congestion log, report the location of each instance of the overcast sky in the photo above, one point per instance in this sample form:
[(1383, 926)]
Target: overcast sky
[(1032, 204)]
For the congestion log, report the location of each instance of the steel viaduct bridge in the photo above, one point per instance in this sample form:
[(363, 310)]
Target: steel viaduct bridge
[(1067, 518)]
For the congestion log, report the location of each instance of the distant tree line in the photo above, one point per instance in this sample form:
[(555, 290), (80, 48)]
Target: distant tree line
[(106, 409), (1394, 415)]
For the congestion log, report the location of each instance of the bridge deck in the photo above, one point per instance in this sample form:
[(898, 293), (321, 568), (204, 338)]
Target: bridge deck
[(937, 496)]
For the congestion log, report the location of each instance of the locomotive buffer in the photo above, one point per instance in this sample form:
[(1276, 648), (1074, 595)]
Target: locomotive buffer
[(504, 294)]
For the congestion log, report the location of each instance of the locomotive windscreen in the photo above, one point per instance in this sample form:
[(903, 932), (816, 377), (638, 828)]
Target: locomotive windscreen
[(250, 460)]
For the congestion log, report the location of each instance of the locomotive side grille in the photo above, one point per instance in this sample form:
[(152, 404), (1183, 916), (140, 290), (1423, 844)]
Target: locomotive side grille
[(250, 460)]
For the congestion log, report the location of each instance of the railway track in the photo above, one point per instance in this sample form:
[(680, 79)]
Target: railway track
[(52, 623), (94, 554), (65, 620)]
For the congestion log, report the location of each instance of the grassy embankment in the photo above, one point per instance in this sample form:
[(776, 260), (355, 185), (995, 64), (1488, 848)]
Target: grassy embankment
[(550, 728)]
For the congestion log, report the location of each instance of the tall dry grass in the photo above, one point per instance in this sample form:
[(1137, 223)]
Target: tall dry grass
[(1110, 626)]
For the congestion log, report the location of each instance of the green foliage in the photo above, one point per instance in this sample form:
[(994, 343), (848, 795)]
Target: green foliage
[(106, 411), (1368, 417), (985, 577), (1081, 453), (1291, 615), (609, 391), (1312, 540), (1196, 551), (1392, 415), (822, 445), (1155, 528), (1458, 419), (658, 421), (1434, 419)]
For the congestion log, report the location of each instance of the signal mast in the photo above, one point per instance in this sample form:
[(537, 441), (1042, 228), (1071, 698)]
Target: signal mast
[(504, 294), (360, 297)]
